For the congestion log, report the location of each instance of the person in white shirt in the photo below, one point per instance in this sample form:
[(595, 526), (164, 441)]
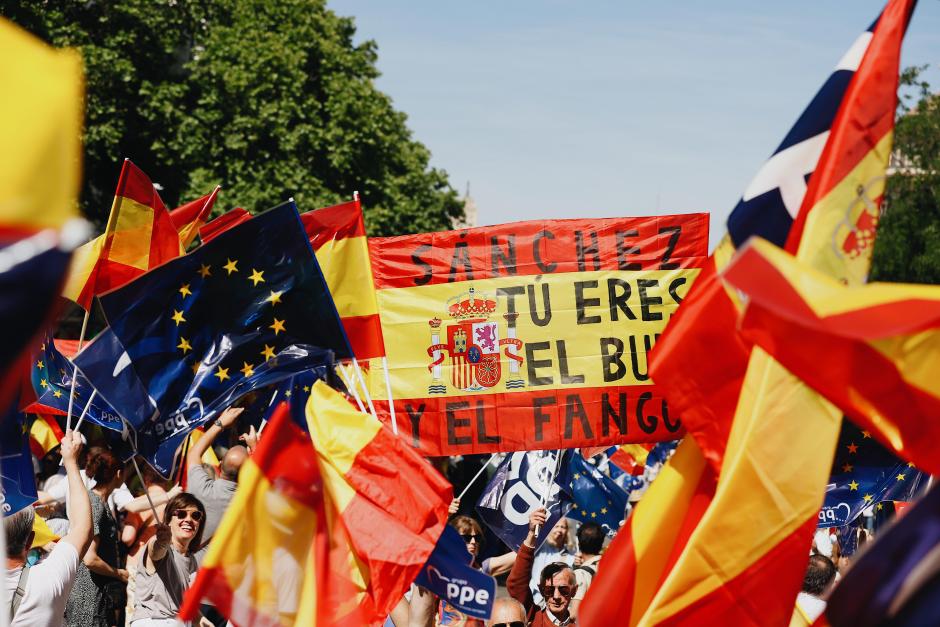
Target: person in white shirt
[(811, 601), (38, 594)]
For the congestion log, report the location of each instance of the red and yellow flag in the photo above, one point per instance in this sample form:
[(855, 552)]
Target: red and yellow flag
[(189, 218), (325, 529), (140, 235), (744, 562), (338, 237), (391, 502), (44, 435), (269, 561), (871, 350)]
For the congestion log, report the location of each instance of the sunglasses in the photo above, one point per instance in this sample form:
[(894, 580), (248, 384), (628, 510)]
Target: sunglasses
[(183, 514), (548, 591), (467, 537), (515, 623)]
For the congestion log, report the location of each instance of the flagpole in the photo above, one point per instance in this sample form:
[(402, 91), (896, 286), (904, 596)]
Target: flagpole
[(81, 338), (477, 476), (543, 501), (365, 390), (179, 475), (85, 410), (350, 387), (140, 476), (388, 391)]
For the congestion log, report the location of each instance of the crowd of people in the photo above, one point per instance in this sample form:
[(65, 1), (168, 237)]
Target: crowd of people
[(127, 545)]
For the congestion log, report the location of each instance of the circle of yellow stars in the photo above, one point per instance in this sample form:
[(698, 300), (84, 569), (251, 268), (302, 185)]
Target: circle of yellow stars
[(256, 278)]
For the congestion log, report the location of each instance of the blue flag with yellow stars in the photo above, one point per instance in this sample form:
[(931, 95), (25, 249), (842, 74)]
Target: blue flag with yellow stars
[(17, 482), (51, 376), (189, 338), (596, 497), (295, 391), (864, 473)]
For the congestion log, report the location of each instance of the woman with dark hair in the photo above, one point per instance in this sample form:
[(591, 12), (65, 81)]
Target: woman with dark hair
[(168, 562), (99, 582)]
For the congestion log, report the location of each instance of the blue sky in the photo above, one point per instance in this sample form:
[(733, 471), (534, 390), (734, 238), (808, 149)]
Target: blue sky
[(556, 109)]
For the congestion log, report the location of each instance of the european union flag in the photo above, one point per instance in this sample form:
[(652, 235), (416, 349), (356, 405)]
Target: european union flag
[(597, 498), (865, 473), (190, 337), (295, 391), (51, 375)]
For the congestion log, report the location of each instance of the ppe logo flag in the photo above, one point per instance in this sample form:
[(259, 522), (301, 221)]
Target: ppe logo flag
[(449, 575), (516, 490)]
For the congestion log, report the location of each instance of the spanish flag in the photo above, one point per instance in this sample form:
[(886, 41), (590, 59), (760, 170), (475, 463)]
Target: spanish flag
[(140, 235), (872, 350), (189, 218), (338, 237), (744, 562), (269, 561), (325, 529), (44, 435)]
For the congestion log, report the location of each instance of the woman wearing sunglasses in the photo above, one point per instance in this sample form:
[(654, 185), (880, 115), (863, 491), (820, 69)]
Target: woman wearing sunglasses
[(472, 534), (169, 563)]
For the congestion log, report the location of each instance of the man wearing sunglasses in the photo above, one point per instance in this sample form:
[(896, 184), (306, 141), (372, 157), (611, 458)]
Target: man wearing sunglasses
[(556, 582)]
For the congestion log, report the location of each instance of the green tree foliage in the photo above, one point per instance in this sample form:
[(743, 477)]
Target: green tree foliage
[(908, 245), (269, 99)]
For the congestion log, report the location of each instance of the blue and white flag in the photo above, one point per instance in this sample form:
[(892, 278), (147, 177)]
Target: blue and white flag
[(773, 198), (449, 575), (516, 490)]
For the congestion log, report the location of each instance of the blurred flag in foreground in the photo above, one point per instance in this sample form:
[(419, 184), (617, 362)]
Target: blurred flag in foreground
[(871, 350), (139, 236), (40, 173)]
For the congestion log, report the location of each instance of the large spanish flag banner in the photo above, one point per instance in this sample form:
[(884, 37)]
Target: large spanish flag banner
[(872, 350), (532, 335), (338, 238), (140, 235)]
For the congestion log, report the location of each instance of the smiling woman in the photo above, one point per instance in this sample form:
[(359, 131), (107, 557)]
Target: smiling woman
[(169, 562)]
